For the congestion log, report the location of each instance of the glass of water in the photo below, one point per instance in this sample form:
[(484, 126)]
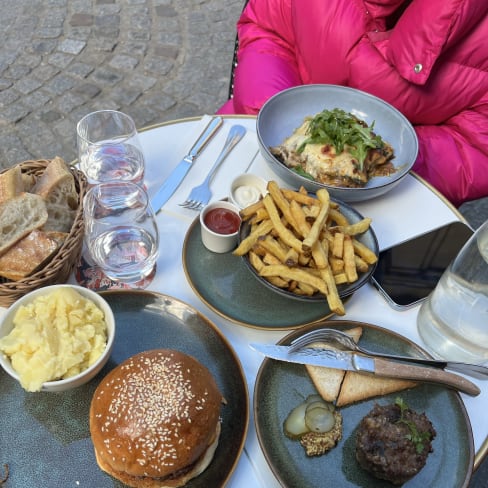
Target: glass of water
[(121, 233), (109, 148)]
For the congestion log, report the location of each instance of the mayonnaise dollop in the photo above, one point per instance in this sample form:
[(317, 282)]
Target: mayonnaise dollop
[(246, 195)]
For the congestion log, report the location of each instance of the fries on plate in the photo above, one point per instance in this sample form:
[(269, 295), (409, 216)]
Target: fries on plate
[(306, 246)]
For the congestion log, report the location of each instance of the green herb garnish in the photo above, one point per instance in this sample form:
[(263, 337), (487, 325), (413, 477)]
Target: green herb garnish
[(417, 438), (343, 131), (300, 171)]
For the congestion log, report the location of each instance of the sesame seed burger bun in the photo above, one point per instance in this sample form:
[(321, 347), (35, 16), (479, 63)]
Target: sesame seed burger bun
[(155, 419)]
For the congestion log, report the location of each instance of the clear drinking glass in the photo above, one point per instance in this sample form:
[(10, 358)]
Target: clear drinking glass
[(453, 320), (121, 233), (109, 148)]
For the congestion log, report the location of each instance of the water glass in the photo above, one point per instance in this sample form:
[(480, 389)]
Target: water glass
[(109, 148), (121, 233), (453, 320)]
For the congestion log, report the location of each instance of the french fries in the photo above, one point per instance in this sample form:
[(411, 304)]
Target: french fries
[(304, 244)]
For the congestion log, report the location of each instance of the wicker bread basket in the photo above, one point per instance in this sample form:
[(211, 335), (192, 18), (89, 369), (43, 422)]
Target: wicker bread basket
[(66, 258)]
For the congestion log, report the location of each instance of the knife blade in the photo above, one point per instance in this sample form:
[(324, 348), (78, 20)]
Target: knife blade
[(359, 363), (178, 174)]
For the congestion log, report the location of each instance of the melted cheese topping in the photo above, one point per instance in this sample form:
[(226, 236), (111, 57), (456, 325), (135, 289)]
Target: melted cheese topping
[(320, 160)]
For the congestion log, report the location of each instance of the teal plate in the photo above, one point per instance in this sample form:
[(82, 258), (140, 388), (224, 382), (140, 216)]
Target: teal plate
[(45, 437), (281, 386), (225, 284)]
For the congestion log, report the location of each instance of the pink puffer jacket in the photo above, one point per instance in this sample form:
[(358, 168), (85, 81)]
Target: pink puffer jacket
[(432, 65)]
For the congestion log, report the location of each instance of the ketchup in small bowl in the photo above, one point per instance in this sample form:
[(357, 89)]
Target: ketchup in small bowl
[(222, 220), (220, 223)]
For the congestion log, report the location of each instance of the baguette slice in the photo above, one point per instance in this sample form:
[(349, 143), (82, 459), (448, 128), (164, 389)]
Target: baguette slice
[(56, 186), (328, 381), (11, 184), (60, 218), (30, 254), (19, 216), (28, 182)]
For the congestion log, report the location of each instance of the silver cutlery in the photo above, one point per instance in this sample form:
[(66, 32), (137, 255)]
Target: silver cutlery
[(201, 194), (179, 173), (350, 361), (346, 341)]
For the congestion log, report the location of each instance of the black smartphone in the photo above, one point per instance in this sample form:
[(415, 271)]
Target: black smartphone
[(407, 272)]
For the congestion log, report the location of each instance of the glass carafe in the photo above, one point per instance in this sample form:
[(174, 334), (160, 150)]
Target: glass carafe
[(453, 320)]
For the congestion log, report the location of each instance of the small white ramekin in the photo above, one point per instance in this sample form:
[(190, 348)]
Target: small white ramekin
[(213, 241), (251, 188)]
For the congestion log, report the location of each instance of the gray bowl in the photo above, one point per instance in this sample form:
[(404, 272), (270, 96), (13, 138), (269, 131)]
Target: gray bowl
[(285, 111), (368, 238)]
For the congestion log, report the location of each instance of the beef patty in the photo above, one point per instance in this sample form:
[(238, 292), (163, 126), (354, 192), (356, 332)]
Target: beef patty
[(393, 442)]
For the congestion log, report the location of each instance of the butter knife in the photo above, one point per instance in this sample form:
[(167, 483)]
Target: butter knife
[(178, 174), (359, 363)]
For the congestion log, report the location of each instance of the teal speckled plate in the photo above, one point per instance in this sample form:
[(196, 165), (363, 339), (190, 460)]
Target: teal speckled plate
[(281, 386), (45, 437), (225, 284)]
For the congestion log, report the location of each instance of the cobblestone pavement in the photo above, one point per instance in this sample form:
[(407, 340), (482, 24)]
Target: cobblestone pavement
[(156, 60)]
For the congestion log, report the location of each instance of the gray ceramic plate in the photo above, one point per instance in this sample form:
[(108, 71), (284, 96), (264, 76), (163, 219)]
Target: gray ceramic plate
[(368, 239), (225, 284), (45, 436), (285, 111), (282, 386)]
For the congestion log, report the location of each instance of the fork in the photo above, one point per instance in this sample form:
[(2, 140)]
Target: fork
[(201, 194), (344, 340)]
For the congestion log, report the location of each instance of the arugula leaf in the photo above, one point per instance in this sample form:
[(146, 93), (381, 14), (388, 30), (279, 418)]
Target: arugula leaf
[(300, 171), (416, 437), (343, 131)]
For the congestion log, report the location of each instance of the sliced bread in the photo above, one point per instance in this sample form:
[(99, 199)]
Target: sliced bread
[(60, 218), (28, 180), (30, 253), (19, 216), (11, 184), (361, 386), (346, 387), (57, 187), (328, 381)]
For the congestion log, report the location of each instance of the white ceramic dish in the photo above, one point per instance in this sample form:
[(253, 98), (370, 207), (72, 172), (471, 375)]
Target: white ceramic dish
[(285, 111), (6, 325), (214, 241), (247, 189)]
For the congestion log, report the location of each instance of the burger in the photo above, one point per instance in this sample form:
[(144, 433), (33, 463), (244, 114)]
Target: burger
[(155, 419)]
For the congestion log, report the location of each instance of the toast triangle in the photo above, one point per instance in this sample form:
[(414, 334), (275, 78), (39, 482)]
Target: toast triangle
[(361, 386), (346, 387), (328, 381)]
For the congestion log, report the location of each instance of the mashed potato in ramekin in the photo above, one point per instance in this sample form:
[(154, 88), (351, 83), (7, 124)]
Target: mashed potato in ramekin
[(56, 336)]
